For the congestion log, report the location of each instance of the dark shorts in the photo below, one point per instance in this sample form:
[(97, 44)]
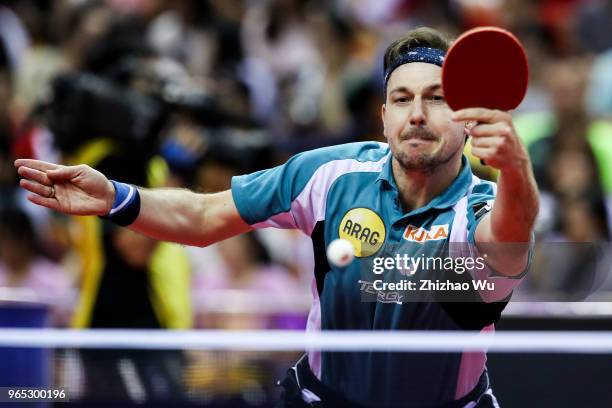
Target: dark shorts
[(302, 389)]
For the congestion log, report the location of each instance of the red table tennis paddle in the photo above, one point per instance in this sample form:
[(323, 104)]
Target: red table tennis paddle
[(485, 67)]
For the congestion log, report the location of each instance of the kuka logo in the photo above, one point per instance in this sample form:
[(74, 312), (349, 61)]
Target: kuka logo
[(420, 235)]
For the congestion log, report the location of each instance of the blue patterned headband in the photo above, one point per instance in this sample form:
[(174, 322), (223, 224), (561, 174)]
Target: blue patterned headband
[(418, 54)]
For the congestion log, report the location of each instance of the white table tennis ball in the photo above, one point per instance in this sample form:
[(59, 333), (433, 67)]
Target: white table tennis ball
[(340, 252)]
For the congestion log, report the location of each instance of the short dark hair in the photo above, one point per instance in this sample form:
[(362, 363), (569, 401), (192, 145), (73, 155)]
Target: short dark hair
[(419, 37)]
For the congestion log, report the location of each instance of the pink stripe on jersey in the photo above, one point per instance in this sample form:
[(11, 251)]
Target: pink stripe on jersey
[(309, 206), (314, 324), (471, 367)]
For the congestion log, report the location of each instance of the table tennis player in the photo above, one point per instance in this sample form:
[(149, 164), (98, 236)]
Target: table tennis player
[(416, 188)]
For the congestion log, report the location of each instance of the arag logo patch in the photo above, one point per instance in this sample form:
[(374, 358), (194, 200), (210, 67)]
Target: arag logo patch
[(418, 234), (364, 229)]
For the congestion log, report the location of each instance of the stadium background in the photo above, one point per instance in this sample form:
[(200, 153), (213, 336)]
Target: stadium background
[(189, 93)]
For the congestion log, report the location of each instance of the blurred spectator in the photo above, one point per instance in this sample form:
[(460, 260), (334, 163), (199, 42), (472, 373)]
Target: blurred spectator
[(564, 161), (13, 36), (565, 82), (22, 266), (203, 35), (40, 62), (569, 174), (245, 290), (558, 20), (581, 211), (129, 281), (565, 139), (254, 276), (277, 33), (599, 95), (284, 66), (8, 178), (595, 25)]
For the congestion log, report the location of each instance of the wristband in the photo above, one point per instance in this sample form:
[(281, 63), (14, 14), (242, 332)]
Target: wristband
[(126, 206)]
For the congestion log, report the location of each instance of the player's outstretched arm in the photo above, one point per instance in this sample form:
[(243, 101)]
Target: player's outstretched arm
[(180, 215), (176, 215), (516, 206)]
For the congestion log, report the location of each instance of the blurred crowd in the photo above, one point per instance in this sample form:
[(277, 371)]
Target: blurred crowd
[(188, 93)]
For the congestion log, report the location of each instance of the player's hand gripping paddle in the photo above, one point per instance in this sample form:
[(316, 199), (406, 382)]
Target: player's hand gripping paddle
[(486, 67)]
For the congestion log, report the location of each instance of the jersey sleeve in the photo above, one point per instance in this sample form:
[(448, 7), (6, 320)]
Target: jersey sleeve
[(480, 203), (294, 194), (267, 198)]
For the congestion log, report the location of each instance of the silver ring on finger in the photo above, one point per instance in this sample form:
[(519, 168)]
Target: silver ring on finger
[(52, 193)]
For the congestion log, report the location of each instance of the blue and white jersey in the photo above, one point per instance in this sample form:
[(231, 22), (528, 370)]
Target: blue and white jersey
[(349, 191)]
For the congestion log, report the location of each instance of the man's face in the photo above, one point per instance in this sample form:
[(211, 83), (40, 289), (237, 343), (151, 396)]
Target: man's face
[(417, 121)]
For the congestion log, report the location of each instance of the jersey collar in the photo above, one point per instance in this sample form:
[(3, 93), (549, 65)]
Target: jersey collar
[(449, 197)]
